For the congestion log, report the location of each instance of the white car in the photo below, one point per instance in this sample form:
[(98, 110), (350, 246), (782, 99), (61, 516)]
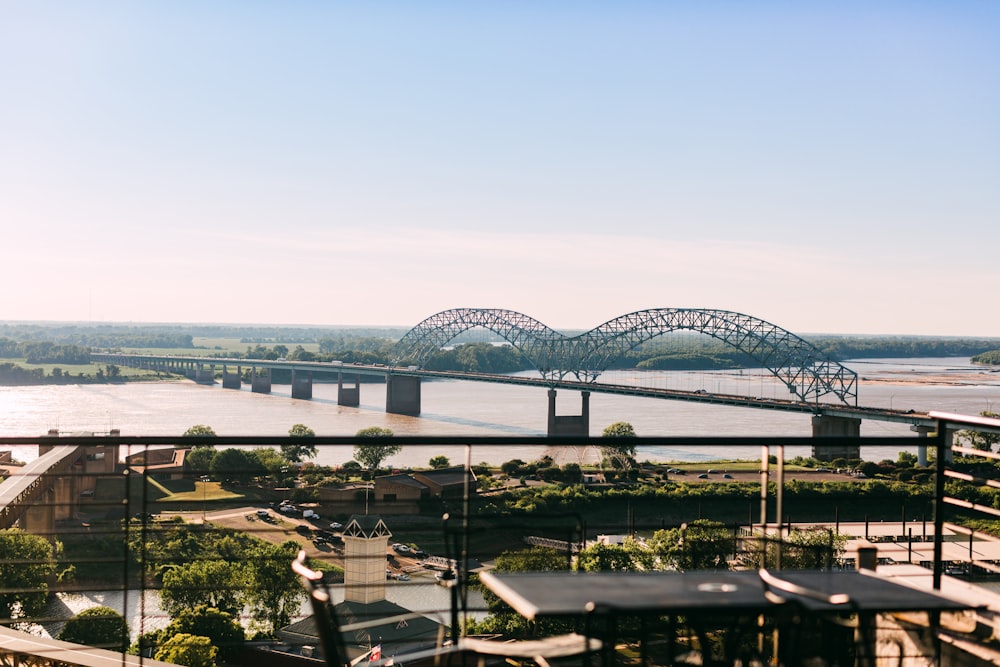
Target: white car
[(336, 526)]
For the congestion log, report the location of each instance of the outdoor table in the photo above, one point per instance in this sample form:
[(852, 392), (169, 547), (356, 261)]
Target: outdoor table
[(707, 596)]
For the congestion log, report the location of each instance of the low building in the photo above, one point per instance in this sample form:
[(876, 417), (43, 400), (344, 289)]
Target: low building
[(417, 485), (162, 463)]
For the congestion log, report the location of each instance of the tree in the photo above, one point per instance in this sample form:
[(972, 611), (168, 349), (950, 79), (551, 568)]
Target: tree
[(625, 557), (199, 459), (533, 559), (621, 453), (199, 431), (274, 592), (215, 583), (26, 564), (372, 455), (978, 439), (700, 545), (101, 627), (295, 453), (224, 632), (439, 462), (190, 650), (236, 464), (801, 549)]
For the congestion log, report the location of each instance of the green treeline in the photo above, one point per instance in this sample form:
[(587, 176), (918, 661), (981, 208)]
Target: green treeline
[(44, 352), (672, 504), (100, 336), (991, 358)]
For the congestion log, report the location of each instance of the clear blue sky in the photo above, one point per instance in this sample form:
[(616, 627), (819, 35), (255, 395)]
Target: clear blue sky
[(826, 166)]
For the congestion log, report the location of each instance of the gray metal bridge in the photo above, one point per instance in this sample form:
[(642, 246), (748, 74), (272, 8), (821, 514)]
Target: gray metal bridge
[(802, 367)]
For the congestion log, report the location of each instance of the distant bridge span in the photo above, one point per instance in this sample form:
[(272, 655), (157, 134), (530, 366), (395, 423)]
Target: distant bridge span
[(801, 366)]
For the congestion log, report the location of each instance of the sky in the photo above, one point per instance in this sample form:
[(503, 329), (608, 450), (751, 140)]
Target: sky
[(830, 167)]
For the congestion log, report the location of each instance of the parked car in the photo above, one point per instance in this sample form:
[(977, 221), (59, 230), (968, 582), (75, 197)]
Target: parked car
[(401, 548), (336, 526)]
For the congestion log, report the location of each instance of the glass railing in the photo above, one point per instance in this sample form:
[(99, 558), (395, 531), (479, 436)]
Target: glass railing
[(170, 545)]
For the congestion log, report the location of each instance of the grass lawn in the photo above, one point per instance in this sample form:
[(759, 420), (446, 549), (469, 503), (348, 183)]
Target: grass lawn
[(188, 491)]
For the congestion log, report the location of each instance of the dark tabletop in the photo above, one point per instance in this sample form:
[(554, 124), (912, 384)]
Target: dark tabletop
[(550, 594)]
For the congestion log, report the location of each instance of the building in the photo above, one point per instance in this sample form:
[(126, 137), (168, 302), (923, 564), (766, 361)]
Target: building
[(366, 543), (418, 485)]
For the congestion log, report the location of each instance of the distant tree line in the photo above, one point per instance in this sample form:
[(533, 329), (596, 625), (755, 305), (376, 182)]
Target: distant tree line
[(991, 358), (44, 352), (110, 336)]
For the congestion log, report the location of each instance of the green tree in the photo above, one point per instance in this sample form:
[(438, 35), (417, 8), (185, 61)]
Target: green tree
[(101, 627), (269, 459), (27, 562), (978, 439), (225, 633), (701, 545), (274, 592), (211, 582), (296, 453), (190, 650), (621, 452), (236, 464), (600, 557), (438, 462), (533, 559), (801, 549), (199, 430), (372, 455), (199, 459)]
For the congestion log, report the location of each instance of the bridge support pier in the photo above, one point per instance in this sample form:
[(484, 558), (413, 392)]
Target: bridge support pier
[(232, 380), (204, 375), (260, 382), (40, 517), (844, 427), (921, 432), (402, 394), (302, 387), (349, 396), (569, 424)]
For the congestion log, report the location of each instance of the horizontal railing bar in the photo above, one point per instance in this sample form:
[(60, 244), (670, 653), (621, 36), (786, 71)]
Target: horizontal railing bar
[(472, 440)]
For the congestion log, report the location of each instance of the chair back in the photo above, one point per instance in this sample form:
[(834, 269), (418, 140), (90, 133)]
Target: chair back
[(324, 614)]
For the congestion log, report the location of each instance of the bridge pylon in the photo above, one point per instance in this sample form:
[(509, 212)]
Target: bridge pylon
[(569, 424)]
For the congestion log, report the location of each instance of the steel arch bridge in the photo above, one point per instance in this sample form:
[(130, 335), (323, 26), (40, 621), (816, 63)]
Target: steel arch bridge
[(806, 372)]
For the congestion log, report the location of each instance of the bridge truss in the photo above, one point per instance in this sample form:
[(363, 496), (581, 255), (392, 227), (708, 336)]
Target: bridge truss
[(798, 364)]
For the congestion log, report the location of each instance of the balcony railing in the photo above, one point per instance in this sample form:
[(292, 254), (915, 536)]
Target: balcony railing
[(150, 539)]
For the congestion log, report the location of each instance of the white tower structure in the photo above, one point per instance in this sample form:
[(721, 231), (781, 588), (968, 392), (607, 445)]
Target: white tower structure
[(366, 539)]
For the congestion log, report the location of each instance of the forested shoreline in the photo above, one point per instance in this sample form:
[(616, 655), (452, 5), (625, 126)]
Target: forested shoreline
[(473, 351)]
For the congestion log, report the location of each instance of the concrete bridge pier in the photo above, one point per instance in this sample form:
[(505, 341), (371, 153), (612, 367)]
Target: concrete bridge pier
[(569, 424), (232, 380), (845, 427), (302, 386), (260, 382), (402, 394), (922, 432), (203, 375), (349, 396), (40, 517)]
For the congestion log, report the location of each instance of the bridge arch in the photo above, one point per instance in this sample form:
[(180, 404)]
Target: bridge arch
[(801, 366)]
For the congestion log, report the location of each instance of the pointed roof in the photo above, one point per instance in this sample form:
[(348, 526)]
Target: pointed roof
[(366, 526)]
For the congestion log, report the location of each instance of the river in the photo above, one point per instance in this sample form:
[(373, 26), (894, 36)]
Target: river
[(478, 408)]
